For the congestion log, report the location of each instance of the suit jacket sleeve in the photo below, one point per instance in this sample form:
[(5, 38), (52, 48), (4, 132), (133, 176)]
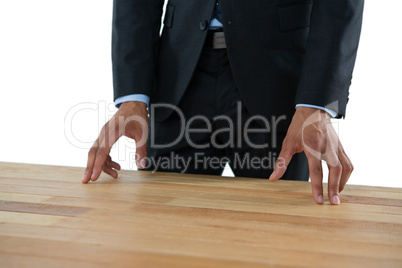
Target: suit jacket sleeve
[(330, 54), (135, 38)]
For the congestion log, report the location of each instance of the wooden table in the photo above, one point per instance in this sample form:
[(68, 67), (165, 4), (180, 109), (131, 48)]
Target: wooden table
[(143, 219)]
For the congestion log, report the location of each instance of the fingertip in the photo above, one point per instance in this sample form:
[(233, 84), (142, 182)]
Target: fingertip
[(319, 200), (86, 178), (335, 200), (273, 176), (141, 163), (94, 177), (138, 165), (272, 179), (277, 174)]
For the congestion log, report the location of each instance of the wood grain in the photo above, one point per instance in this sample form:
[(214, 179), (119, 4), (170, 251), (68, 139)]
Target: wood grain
[(143, 219)]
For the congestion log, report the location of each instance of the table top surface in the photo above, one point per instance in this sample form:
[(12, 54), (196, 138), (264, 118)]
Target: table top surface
[(143, 219)]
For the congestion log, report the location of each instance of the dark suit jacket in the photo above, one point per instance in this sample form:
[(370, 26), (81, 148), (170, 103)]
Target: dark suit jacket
[(282, 52)]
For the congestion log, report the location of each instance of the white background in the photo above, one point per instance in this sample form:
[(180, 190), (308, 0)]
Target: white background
[(55, 55)]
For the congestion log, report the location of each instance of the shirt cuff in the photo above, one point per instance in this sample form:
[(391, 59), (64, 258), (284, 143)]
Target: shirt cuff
[(133, 97), (332, 113)]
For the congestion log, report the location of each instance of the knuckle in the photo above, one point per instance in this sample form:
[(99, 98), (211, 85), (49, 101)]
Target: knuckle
[(280, 163), (338, 168), (348, 168), (92, 151), (315, 144), (316, 186), (352, 168), (288, 146), (335, 188), (105, 127), (286, 142), (101, 151), (316, 170)]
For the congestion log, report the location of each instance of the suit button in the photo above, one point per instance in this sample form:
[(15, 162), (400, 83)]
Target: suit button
[(203, 25)]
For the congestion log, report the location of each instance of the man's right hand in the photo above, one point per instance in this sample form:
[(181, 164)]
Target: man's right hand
[(131, 120)]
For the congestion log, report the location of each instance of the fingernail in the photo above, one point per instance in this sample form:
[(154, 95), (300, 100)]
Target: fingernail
[(272, 175), (335, 200), (320, 199), (142, 163)]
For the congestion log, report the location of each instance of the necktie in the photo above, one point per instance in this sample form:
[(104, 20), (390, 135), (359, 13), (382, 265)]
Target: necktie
[(217, 12)]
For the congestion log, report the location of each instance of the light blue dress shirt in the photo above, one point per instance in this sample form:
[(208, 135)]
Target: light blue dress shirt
[(133, 97)]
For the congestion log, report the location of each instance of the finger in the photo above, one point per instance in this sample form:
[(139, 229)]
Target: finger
[(140, 137), (110, 171), (103, 152), (113, 164), (141, 156), (90, 162), (315, 168), (92, 156), (103, 131), (282, 163), (101, 156), (347, 168), (100, 160), (335, 172)]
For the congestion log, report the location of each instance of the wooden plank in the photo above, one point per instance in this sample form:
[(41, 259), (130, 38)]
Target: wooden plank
[(10, 260), (39, 208), (90, 230), (256, 193), (287, 206), (72, 254), (73, 175), (31, 198), (34, 219), (207, 248)]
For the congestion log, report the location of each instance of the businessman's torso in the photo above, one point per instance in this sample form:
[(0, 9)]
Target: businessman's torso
[(265, 42)]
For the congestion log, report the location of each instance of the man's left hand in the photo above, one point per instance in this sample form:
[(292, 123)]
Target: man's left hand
[(311, 131)]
